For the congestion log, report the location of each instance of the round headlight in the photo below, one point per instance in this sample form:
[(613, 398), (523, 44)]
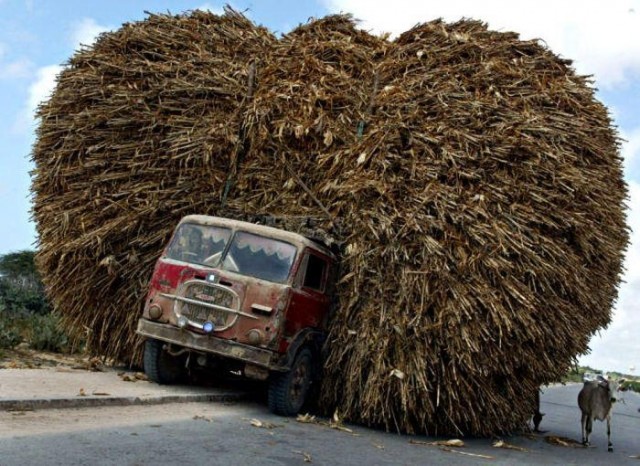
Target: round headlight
[(182, 321), (155, 312), (255, 336), (207, 327)]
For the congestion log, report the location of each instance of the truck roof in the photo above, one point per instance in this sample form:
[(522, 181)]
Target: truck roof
[(289, 236)]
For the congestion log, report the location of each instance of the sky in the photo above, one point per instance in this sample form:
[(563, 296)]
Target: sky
[(602, 37)]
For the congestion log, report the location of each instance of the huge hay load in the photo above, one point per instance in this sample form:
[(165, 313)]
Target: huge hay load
[(475, 179)]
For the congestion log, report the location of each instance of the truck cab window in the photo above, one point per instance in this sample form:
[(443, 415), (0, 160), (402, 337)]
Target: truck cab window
[(315, 273), (198, 244)]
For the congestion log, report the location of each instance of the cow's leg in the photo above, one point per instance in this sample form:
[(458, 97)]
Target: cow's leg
[(588, 428), (583, 425), (537, 416), (609, 444)]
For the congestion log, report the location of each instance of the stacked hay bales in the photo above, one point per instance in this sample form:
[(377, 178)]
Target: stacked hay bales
[(476, 180)]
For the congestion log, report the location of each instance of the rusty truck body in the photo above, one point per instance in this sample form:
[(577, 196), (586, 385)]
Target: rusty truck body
[(233, 295)]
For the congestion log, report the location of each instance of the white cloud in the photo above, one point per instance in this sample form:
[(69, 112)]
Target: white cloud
[(84, 32), (210, 8), (39, 91), (43, 86), (87, 31), (21, 68), (632, 262), (16, 69), (617, 347), (631, 150), (602, 37)]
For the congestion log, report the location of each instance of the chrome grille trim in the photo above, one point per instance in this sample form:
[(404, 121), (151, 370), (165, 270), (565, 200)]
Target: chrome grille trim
[(205, 304), (222, 308)]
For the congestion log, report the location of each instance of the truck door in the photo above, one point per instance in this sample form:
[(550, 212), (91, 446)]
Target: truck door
[(309, 301)]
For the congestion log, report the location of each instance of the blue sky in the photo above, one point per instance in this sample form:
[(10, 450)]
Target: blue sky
[(38, 36)]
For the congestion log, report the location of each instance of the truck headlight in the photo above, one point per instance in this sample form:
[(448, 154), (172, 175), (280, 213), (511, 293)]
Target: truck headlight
[(255, 336), (155, 312)]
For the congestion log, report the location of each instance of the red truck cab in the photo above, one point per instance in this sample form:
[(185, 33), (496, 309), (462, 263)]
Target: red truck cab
[(240, 296)]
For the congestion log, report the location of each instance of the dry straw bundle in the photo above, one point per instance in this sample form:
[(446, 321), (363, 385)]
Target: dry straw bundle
[(137, 133), (476, 181)]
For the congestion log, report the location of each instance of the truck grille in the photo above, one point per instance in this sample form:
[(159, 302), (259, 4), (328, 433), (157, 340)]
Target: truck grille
[(208, 294)]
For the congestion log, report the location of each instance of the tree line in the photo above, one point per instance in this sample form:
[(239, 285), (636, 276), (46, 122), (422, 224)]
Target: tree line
[(25, 312), (21, 289)]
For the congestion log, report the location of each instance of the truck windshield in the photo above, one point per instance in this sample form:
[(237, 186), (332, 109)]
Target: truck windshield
[(199, 244), (248, 254), (259, 257)]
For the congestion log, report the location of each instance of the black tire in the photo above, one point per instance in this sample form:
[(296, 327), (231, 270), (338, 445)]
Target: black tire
[(288, 391), (160, 366)]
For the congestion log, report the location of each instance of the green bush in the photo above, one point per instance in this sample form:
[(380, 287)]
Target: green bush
[(10, 335), (21, 290), (25, 313), (576, 374), (633, 386), (22, 300), (45, 334)]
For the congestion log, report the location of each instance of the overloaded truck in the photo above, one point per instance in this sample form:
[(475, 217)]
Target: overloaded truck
[(228, 295)]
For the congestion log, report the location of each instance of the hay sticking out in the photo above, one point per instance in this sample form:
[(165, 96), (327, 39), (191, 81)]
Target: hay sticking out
[(472, 178)]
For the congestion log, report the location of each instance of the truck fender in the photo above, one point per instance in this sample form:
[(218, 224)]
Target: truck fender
[(306, 338)]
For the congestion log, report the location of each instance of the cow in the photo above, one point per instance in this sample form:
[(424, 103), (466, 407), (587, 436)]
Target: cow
[(595, 400)]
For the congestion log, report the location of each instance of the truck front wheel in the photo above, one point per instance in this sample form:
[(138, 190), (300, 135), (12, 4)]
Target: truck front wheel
[(288, 390), (160, 366)]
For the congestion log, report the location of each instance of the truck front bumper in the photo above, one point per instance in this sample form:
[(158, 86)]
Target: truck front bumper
[(209, 344)]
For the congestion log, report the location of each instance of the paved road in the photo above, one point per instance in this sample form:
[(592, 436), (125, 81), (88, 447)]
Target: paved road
[(563, 418), (223, 433)]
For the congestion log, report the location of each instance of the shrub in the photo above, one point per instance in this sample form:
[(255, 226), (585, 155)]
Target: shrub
[(45, 334), (9, 332), (21, 290), (633, 385)]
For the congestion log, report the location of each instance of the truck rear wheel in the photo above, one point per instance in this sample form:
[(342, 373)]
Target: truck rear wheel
[(288, 390), (160, 366)]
